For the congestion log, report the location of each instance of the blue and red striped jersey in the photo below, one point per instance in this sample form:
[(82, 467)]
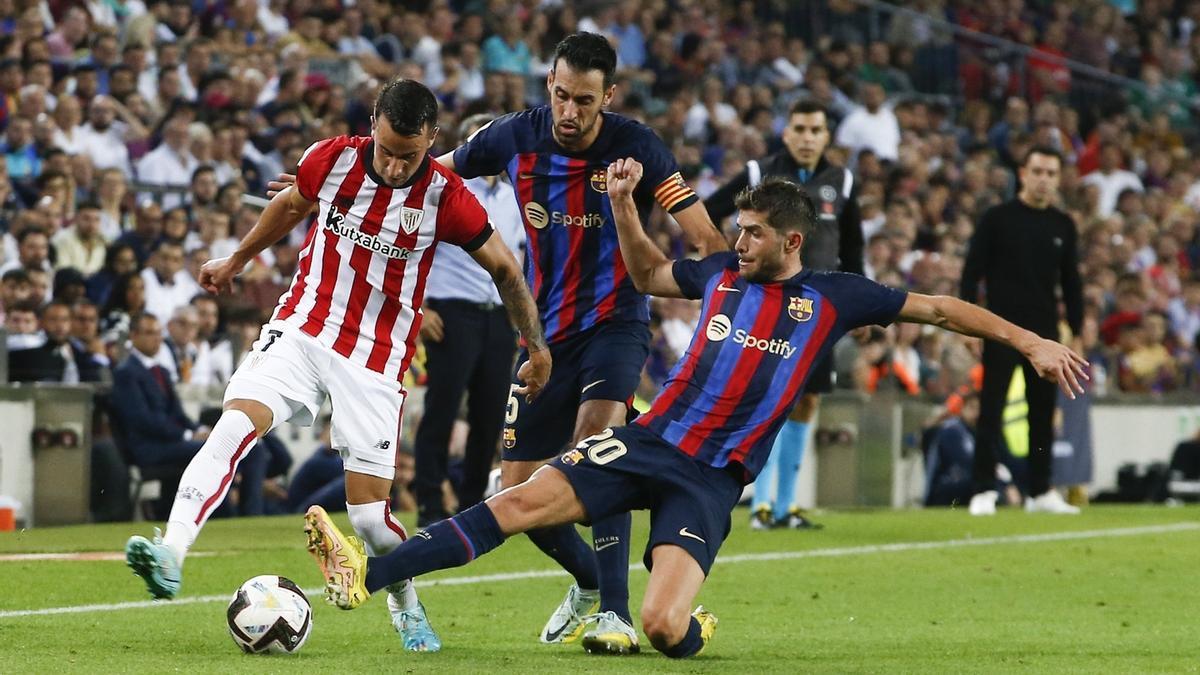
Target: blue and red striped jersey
[(754, 347), (573, 262)]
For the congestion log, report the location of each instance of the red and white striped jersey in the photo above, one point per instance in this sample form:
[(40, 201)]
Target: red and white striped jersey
[(361, 275)]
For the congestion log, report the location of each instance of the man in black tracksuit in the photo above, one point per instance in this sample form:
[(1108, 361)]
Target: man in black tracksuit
[(1021, 250), (835, 244)]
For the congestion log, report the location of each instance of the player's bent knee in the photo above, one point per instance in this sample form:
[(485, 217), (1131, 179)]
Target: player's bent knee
[(664, 626), (260, 415)]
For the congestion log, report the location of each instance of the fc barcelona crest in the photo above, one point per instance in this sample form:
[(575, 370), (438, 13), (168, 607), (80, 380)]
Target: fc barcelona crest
[(800, 309), (410, 219), (600, 180)]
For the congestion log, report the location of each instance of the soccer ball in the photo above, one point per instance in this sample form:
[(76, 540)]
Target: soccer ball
[(269, 614)]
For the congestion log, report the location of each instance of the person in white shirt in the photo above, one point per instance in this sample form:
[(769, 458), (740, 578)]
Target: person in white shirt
[(872, 126), (214, 355), (103, 136), (1111, 180), (171, 163), (168, 284), (82, 245)]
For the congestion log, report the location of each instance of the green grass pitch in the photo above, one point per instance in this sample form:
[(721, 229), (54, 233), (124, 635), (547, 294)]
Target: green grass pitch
[(1115, 590)]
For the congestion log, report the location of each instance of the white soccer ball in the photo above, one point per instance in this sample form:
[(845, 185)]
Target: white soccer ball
[(269, 614)]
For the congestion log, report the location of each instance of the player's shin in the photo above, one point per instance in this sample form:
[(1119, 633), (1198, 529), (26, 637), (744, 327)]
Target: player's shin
[(568, 549), (789, 451), (447, 543), (207, 479), (381, 534), (611, 539)]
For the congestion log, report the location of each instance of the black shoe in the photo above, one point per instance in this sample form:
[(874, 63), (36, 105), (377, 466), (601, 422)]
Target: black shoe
[(795, 520)]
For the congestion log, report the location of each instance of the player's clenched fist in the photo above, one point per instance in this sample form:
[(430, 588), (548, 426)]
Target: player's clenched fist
[(216, 276), (623, 177), (534, 373)]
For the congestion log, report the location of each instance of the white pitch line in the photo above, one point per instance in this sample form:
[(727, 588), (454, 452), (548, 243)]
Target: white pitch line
[(723, 560)]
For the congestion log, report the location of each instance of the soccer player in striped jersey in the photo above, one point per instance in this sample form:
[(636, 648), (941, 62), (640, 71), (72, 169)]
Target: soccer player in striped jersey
[(346, 328), (765, 322), (596, 321)]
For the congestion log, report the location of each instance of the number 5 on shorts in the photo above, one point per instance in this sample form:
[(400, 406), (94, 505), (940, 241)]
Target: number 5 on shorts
[(604, 448), (513, 407)]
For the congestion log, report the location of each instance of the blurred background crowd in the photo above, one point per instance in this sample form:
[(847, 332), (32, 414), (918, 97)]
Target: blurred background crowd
[(137, 137)]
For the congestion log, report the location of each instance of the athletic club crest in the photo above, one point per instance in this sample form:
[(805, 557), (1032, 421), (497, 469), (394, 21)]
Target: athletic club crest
[(600, 180), (410, 219), (800, 309)]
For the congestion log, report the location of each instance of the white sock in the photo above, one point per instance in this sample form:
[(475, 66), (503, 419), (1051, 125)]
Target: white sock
[(207, 478), (381, 532)]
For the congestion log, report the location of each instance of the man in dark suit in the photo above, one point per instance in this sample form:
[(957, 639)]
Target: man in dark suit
[(58, 358), (157, 433)]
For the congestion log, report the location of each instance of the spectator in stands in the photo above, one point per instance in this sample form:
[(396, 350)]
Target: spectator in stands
[(871, 126), (146, 232), (85, 332), (153, 426), (82, 245), (33, 252), (120, 259), (21, 326), (1111, 179), (110, 197), (103, 137), (179, 348), (58, 358), (69, 286), (214, 357), (14, 288), (320, 479), (126, 299), (168, 284), (170, 164)]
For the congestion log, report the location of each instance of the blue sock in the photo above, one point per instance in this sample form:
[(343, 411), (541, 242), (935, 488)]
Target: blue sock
[(766, 479), (610, 536), (789, 450), (568, 549), (447, 543), (690, 644)]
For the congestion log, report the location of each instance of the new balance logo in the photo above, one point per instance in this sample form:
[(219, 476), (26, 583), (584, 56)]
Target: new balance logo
[(683, 532), (728, 289), (383, 445)]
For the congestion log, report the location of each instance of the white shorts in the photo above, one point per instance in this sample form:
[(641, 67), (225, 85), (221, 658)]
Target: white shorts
[(291, 373)]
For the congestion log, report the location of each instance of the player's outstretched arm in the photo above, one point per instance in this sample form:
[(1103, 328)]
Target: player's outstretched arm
[(1053, 361), (284, 211), (495, 257), (648, 267)]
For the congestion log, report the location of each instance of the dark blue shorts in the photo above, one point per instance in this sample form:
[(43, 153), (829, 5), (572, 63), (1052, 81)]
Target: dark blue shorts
[(632, 468), (603, 363)]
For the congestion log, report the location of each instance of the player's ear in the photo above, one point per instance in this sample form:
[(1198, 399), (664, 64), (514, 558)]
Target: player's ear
[(433, 136), (793, 242), (608, 95)]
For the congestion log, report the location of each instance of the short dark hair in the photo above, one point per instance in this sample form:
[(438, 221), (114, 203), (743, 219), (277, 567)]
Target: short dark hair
[(17, 275), (585, 51), (1045, 151), (29, 232), (786, 204), (202, 169), (136, 321), (408, 105), (88, 205), (52, 304), (808, 106)]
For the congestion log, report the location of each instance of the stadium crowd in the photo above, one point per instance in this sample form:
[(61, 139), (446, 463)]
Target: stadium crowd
[(133, 128)]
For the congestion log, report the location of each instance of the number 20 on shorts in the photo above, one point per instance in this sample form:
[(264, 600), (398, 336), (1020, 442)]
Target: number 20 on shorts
[(602, 448)]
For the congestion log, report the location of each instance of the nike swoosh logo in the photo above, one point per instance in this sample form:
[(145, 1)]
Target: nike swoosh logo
[(589, 387), (606, 544), (728, 289), (557, 633), (683, 532)]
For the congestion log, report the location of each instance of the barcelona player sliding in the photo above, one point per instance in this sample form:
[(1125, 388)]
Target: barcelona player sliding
[(765, 322)]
